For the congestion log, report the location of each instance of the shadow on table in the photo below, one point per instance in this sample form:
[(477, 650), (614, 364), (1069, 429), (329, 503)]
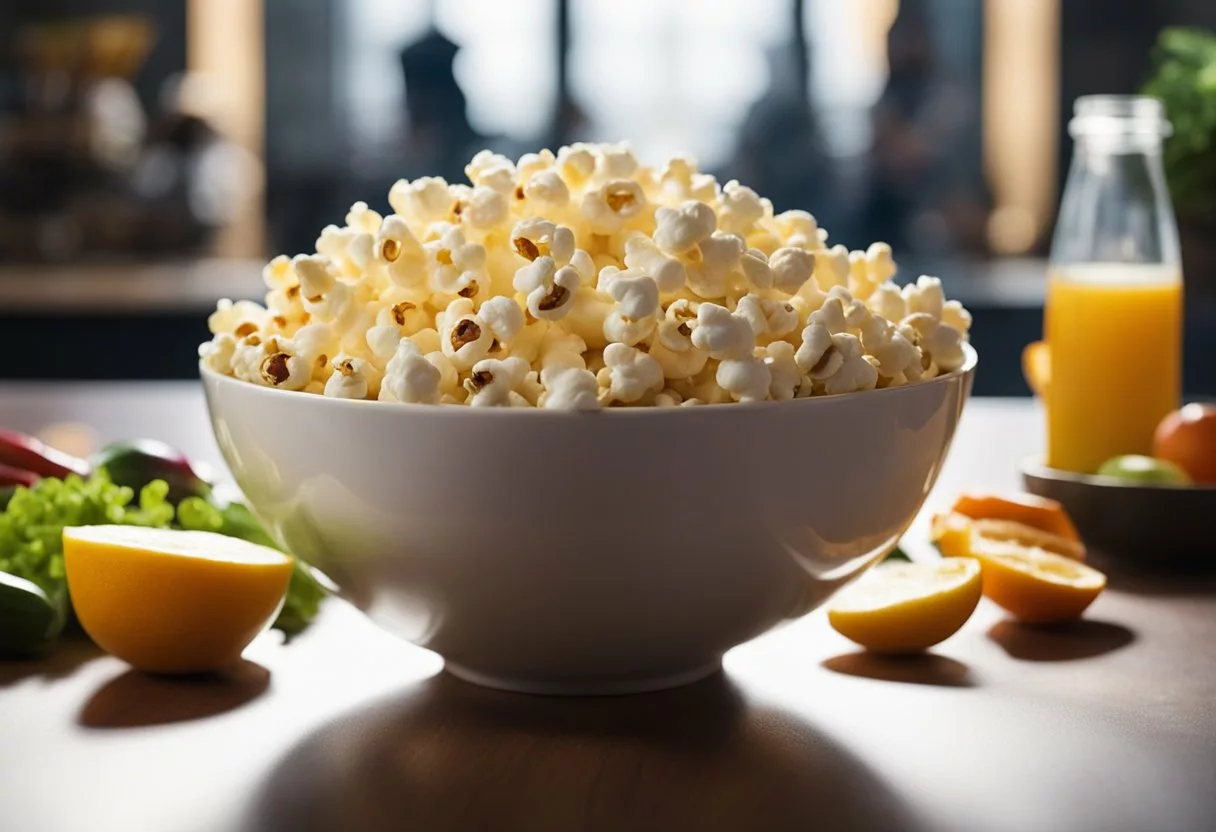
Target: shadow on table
[(1083, 639), (452, 756), (135, 699), (63, 659), (920, 669)]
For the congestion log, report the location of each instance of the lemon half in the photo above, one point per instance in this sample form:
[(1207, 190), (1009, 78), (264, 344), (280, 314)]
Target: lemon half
[(909, 607), (172, 601)]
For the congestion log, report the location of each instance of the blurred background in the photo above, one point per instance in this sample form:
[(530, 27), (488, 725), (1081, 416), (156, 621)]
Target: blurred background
[(154, 153)]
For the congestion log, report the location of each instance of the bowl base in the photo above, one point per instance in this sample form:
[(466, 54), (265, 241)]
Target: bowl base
[(611, 686)]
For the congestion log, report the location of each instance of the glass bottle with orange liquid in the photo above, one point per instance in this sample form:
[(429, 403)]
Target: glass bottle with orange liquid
[(1113, 322)]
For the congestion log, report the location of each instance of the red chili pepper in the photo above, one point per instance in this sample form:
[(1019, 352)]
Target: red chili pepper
[(15, 476), (25, 453)]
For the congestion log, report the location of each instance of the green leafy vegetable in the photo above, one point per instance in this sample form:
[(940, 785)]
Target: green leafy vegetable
[(1184, 78), (897, 554), (31, 527), (31, 533)]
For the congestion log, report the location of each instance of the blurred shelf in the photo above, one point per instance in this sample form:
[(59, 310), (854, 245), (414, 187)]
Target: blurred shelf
[(189, 286)]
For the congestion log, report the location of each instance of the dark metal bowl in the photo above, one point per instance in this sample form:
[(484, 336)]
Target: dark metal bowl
[(1149, 527)]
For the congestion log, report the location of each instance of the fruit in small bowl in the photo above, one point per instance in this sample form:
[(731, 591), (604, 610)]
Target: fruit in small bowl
[(1187, 438), (606, 552)]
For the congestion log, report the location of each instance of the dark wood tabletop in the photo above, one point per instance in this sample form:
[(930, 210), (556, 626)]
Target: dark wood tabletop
[(1105, 725)]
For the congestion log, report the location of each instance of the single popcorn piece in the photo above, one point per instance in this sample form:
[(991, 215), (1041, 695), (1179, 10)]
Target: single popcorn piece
[(791, 268), (800, 230), (422, 202), (785, 376), (888, 302), (485, 208), (410, 377), (550, 291), (538, 237), (680, 180), (576, 163), (608, 208), (352, 378), (569, 388), (723, 334), (457, 266), (679, 230), (491, 170), (746, 379), (925, 296), (217, 353), (891, 350), (628, 374), (954, 315), (738, 208), (498, 383), (240, 319), (284, 369), (392, 322), (560, 349), (832, 267), (633, 318), (756, 269), (615, 161), (503, 316), (644, 255), (720, 255), (464, 337), (852, 372), (855, 312), (403, 257), (582, 279), (769, 318), (279, 273), (531, 164), (547, 188), (941, 342)]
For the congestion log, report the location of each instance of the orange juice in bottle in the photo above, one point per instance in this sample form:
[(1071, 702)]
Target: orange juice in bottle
[(1115, 332), (1113, 320)]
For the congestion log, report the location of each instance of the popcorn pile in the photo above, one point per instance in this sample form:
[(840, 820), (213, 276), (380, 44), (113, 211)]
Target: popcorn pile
[(584, 280)]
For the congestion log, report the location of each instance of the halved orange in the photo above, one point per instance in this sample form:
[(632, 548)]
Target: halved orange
[(1036, 585), (1029, 509), (952, 533)]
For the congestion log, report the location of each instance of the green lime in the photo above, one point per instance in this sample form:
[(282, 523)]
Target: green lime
[(1146, 470)]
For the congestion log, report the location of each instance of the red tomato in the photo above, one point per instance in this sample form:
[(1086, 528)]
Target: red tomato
[(1187, 438)]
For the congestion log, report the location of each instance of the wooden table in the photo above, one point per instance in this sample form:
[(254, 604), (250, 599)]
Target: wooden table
[(1108, 725)]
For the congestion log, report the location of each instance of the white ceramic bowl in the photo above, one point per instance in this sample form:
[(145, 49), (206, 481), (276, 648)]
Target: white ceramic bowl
[(606, 552)]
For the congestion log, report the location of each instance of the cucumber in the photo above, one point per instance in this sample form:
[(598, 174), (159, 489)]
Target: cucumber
[(29, 620)]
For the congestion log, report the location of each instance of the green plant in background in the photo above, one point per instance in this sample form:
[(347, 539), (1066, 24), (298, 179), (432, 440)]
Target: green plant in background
[(1184, 78)]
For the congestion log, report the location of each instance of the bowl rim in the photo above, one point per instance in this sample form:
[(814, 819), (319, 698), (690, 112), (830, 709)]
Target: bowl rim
[(968, 368), (1036, 466)]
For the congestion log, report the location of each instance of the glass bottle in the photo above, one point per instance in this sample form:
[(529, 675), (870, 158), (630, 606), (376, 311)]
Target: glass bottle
[(1113, 322)]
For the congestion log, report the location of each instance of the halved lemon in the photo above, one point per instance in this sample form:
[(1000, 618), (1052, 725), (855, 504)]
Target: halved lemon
[(1035, 585), (909, 607), (172, 601)]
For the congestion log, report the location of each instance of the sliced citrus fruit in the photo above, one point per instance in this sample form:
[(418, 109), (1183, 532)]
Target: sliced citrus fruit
[(1033, 584), (1028, 509), (1036, 366), (907, 608), (953, 532), (172, 601)]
